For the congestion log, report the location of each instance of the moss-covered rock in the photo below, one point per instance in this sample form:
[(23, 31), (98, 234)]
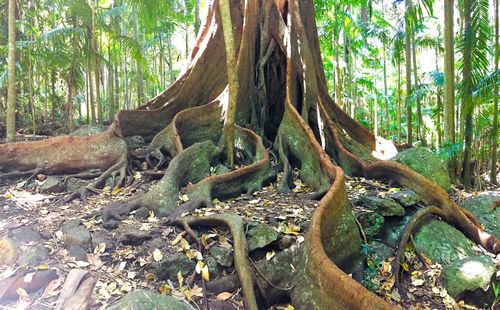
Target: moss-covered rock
[(483, 208), (468, 275), (168, 267), (223, 256), (406, 198), (423, 161), (371, 222), (382, 206), (260, 236), (34, 256), (146, 300), (441, 242)]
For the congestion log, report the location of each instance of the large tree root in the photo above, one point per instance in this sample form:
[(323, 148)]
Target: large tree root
[(242, 265)]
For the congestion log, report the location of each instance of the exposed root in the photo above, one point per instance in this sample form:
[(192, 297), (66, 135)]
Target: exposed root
[(405, 237), (242, 265)]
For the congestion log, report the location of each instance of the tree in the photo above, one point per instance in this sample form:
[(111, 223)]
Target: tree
[(409, 90), (494, 133), (11, 92), (289, 103)]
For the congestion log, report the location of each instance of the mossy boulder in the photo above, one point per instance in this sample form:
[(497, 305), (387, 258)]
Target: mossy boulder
[(406, 198), (468, 276), (483, 207), (423, 161), (441, 242), (382, 206), (146, 300), (168, 267), (371, 222), (260, 236)]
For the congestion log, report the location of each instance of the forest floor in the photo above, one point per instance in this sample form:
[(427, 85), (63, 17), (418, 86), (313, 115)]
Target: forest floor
[(137, 253)]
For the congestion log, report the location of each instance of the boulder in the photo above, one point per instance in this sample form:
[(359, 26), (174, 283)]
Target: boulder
[(142, 299), (406, 198), (382, 206), (423, 161), (24, 234), (441, 242), (223, 256), (34, 256), (168, 267), (76, 234), (371, 222), (380, 251), (78, 253), (135, 142), (74, 184), (468, 276), (134, 237), (88, 130), (51, 185), (102, 236), (260, 236), (483, 207)]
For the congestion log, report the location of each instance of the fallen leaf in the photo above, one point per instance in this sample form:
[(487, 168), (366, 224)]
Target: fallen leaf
[(180, 278), (417, 282), (289, 307), (224, 296), (165, 289), (205, 274), (270, 255), (183, 198), (23, 295), (157, 256), (177, 238), (405, 266), (28, 277)]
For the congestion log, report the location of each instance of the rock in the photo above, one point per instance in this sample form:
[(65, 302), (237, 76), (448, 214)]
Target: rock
[(223, 256), (467, 276), (221, 169), (51, 185), (406, 198), (441, 242), (102, 236), (423, 161), (214, 269), (75, 233), (34, 256), (74, 184), (260, 236), (135, 142), (380, 251), (382, 206), (394, 226), (142, 213), (24, 234), (78, 253), (371, 222), (88, 130), (142, 299), (483, 208), (168, 267), (134, 237)]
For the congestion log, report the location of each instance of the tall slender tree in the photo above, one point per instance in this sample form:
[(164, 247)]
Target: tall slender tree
[(449, 83), (494, 133), (11, 92), (408, 72)]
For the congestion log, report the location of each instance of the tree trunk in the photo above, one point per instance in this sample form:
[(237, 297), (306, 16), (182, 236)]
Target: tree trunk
[(386, 97), (467, 104), (408, 30), (96, 66), (11, 88), (140, 85), (399, 102), (494, 132), (420, 124)]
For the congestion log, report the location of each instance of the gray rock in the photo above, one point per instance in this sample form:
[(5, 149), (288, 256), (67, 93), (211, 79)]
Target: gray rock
[(75, 233), (260, 236), (468, 275), (74, 184), (441, 242), (168, 267), (381, 251), (214, 269), (382, 206), (142, 213), (34, 256), (146, 300), (371, 222), (24, 234), (423, 161), (102, 236), (134, 237), (88, 130), (482, 207), (78, 253), (51, 185), (223, 256), (220, 169), (406, 197)]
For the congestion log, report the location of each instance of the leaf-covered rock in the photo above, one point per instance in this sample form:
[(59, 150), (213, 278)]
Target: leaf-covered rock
[(406, 198), (76, 234), (260, 236), (371, 222), (423, 161), (168, 267)]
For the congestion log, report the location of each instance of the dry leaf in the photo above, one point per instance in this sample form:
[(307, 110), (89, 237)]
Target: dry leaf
[(180, 278), (289, 307), (417, 282), (224, 296), (157, 256), (405, 266), (178, 238), (28, 277), (270, 255), (165, 289)]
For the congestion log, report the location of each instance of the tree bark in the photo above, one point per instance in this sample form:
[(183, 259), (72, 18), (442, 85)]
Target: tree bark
[(494, 132), (467, 104), (408, 30), (11, 88)]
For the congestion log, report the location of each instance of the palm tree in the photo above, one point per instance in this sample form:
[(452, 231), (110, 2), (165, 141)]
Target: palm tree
[(11, 92), (494, 133), (449, 83)]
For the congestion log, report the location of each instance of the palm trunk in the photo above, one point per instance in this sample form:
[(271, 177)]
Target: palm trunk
[(420, 124), (408, 76), (467, 105), (494, 132), (140, 86), (11, 88), (399, 102), (386, 100)]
